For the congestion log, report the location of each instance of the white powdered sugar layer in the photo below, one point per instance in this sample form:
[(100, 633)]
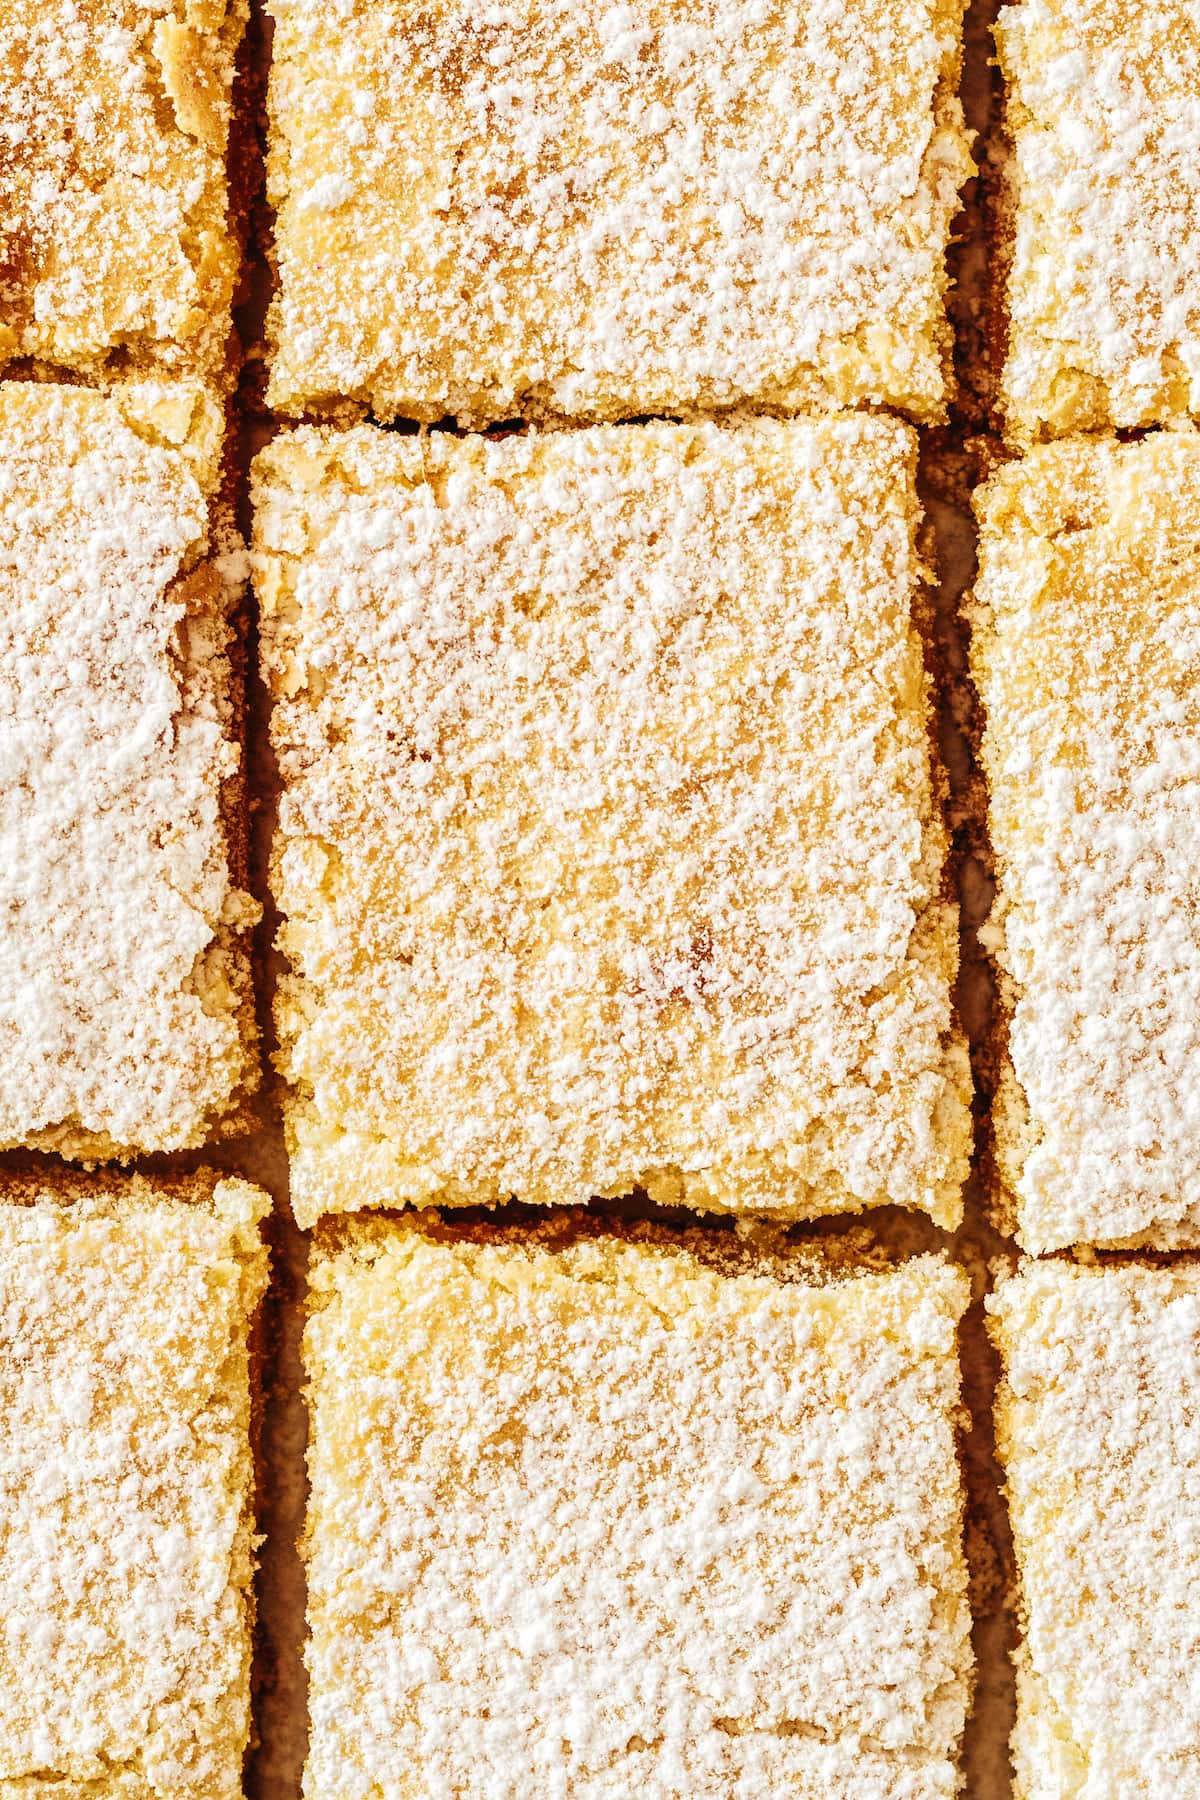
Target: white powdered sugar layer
[(609, 850), (125, 1482), (1103, 299), (600, 1517), (124, 985), (1086, 654), (1099, 1431), (114, 242), (590, 210)]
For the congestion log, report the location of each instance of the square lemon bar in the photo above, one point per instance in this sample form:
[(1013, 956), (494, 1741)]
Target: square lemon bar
[(126, 1014), (609, 851), (1103, 204), (126, 1482), (558, 209), (115, 248), (1098, 1426), (1086, 654), (626, 1512)]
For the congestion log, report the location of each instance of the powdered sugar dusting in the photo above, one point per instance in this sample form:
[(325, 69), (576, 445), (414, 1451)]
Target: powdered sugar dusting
[(1086, 651), (609, 850), (599, 1517), (125, 1478), (1099, 1427), (561, 207), (1104, 308), (125, 999), (114, 240)]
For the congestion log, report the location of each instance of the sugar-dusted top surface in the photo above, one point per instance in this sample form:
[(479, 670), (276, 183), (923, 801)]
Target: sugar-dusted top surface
[(1086, 651), (1103, 302), (576, 208), (123, 987), (599, 1517), (114, 242), (608, 848), (125, 1476), (1099, 1427)]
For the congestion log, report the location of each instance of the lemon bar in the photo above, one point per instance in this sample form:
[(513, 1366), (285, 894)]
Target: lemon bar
[(609, 850), (126, 1522), (116, 255), (1086, 652), (553, 209), (126, 1013), (1098, 1425), (1103, 214), (622, 1512)]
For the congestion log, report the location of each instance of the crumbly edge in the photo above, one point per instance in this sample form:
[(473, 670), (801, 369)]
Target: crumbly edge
[(352, 1171), (764, 1252), (999, 505), (212, 355), (998, 210), (243, 1207), (1006, 202), (1036, 1714), (121, 1783), (812, 388), (355, 1173), (1086, 402), (745, 1257), (1021, 428), (1030, 1694), (1011, 1131), (214, 590)]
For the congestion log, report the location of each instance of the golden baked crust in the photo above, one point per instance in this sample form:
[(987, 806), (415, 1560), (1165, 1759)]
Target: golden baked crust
[(1098, 1425), (603, 1512), (115, 250), (1103, 303), (126, 1011), (609, 850), (565, 210), (1086, 647), (126, 1521)]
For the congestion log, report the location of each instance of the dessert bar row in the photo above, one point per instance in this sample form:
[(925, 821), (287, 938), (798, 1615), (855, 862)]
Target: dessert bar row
[(610, 849), (593, 1509), (564, 210)]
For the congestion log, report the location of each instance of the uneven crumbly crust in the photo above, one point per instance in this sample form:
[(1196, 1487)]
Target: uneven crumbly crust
[(1098, 1426), (608, 849), (1085, 651), (609, 1512), (562, 210), (126, 1007), (1103, 303), (116, 256), (119, 1784), (126, 1485)]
